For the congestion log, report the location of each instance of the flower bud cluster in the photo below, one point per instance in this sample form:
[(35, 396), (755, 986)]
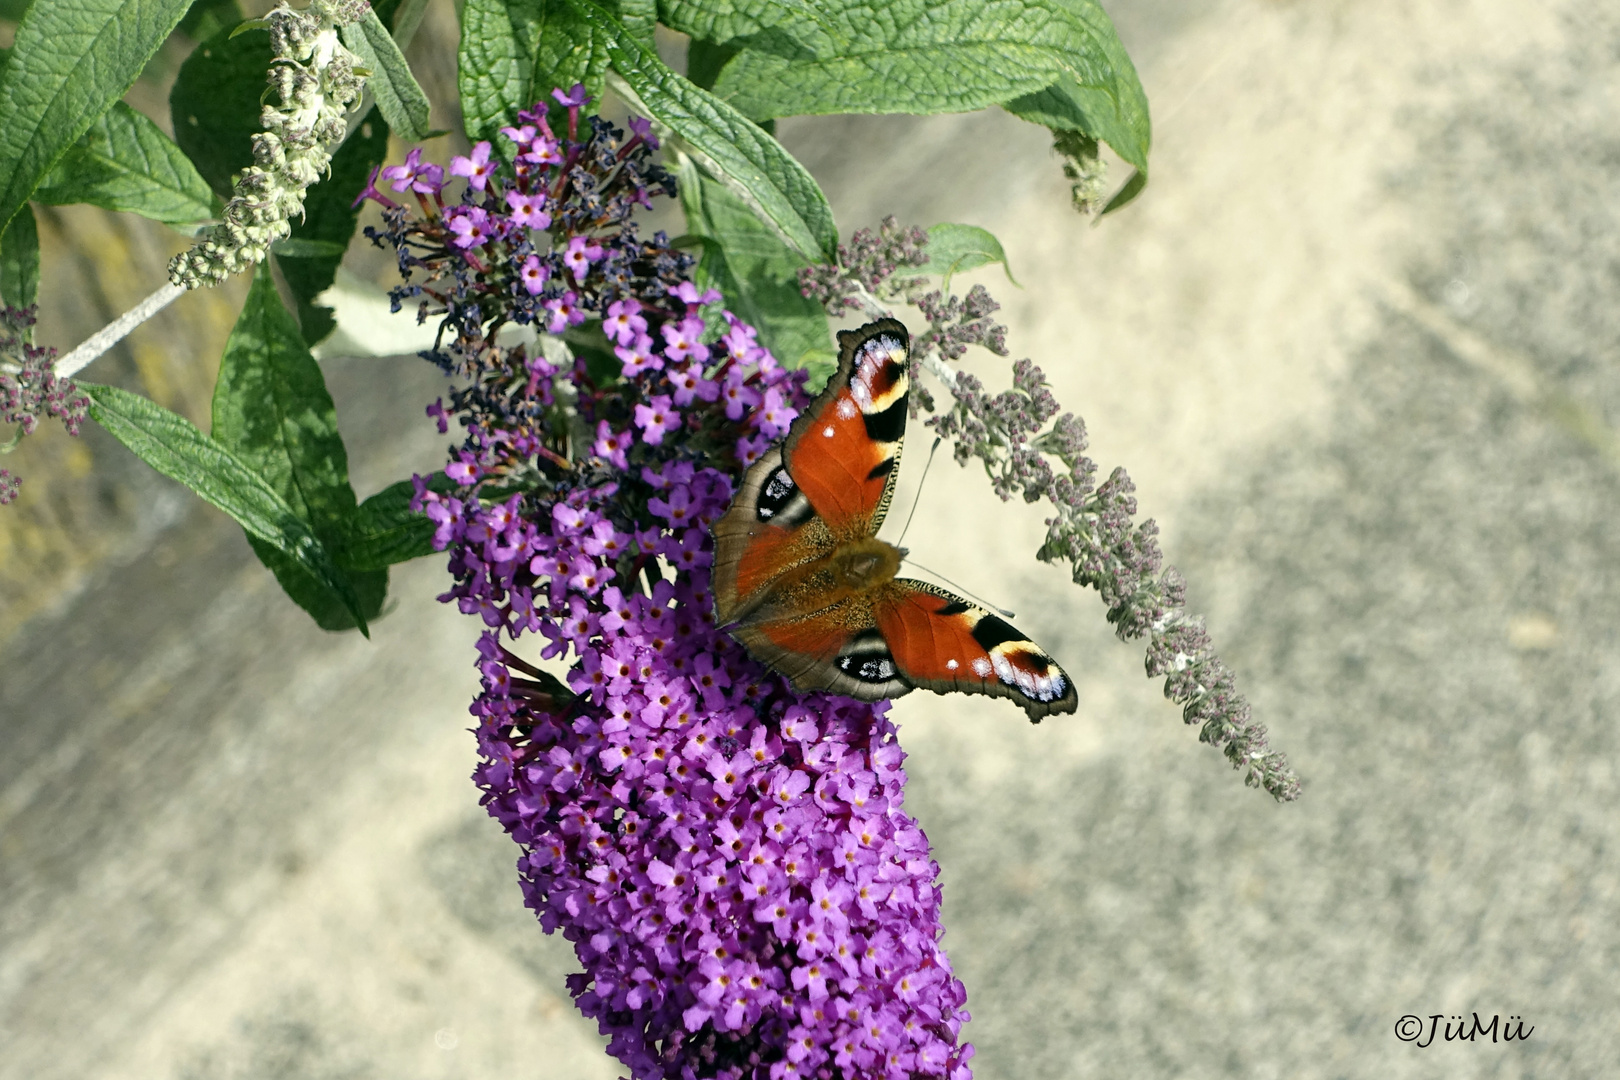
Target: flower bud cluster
[(729, 857), (1016, 434), (1084, 169), (30, 388), (316, 81)]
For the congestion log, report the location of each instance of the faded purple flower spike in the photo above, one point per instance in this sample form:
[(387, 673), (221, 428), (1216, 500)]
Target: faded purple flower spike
[(415, 175), (1019, 435), (30, 388)]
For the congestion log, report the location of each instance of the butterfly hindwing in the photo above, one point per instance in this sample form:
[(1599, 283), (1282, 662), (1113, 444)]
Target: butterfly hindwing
[(837, 649), (769, 531), (828, 483), (941, 642)]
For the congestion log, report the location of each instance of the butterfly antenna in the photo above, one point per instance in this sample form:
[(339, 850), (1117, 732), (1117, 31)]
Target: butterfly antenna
[(917, 498), (1003, 612)]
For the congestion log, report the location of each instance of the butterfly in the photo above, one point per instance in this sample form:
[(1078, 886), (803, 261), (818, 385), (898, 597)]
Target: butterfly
[(802, 581)]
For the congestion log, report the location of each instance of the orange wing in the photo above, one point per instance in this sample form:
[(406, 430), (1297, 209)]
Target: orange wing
[(828, 483), (910, 634), (939, 641)]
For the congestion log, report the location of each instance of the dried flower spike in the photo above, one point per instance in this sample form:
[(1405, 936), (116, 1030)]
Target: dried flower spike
[(30, 389), (1016, 435), (317, 82)]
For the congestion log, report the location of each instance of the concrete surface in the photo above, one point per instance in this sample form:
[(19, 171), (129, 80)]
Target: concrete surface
[(1357, 346)]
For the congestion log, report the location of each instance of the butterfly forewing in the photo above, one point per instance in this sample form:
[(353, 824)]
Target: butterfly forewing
[(842, 453), (829, 482)]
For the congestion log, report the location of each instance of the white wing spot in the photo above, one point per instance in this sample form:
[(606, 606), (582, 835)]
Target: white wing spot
[(951, 665), (828, 431), (847, 409), (981, 667)]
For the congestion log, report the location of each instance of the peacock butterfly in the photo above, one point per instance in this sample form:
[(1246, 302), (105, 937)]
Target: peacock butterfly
[(802, 581)]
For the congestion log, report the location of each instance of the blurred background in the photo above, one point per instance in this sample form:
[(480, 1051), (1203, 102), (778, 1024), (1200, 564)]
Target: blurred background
[(1356, 344)]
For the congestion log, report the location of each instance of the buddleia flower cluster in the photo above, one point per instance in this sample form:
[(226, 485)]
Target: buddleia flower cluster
[(316, 81), (730, 858), (30, 388), (1029, 448)]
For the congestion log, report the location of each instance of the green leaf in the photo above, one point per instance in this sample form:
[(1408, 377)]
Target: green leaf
[(704, 61), (728, 145), (955, 249), (385, 530), (173, 446), (756, 273), (515, 52), (272, 410), (125, 162), (309, 258), (216, 102), (205, 18), (640, 17), (1055, 62), (69, 63), (293, 248), (1133, 187), (1120, 120), (19, 259), (402, 17), (399, 98)]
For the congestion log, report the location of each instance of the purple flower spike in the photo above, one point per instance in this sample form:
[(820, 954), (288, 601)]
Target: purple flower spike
[(520, 136), (654, 419), (413, 175), (563, 312), (544, 151), (573, 99), (582, 252), (470, 224), (745, 895), (643, 130), (372, 193), (528, 211), (533, 275), (477, 169)]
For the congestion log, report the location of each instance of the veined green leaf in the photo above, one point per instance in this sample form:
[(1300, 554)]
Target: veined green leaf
[(272, 411), (757, 273), (19, 259), (954, 249), (69, 63), (640, 17), (205, 18), (1054, 62), (125, 162), (385, 530), (400, 99), (515, 52), (727, 144), (173, 446)]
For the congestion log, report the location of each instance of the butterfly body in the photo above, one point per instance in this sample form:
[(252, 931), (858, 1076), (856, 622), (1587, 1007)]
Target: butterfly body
[(801, 579)]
